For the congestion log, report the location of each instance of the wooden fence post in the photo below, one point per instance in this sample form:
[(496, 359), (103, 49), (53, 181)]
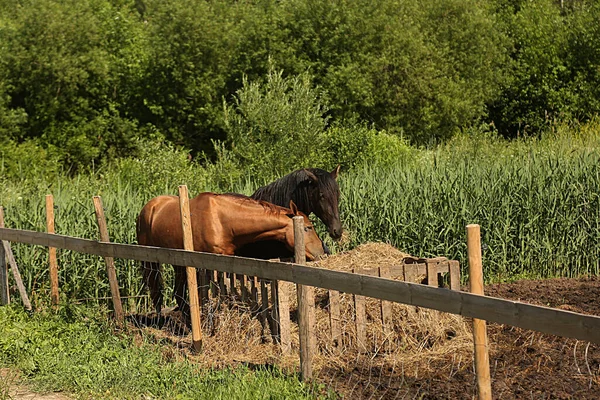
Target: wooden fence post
[(13, 266), (109, 261), (482, 361), (386, 313), (306, 305), (282, 305), (4, 292), (188, 244), (52, 251), (334, 317)]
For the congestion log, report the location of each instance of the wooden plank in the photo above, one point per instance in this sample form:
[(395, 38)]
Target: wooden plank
[(432, 273), (284, 290), (264, 308), (360, 322), (109, 261), (360, 312), (396, 272), (254, 292), (480, 340), (52, 251), (222, 286), (334, 317), (214, 283), (413, 271), (188, 244), (542, 319), (454, 275), (274, 314), (4, 288), (204, 286), (232, 289), (17, 275), (386, 313), (306, 306), (244, 288)]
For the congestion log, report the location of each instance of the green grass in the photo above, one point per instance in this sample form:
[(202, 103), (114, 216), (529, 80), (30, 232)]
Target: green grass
[(76, 351)]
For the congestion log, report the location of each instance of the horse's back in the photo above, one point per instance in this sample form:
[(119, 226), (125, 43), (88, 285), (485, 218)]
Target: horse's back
[(157, 222)]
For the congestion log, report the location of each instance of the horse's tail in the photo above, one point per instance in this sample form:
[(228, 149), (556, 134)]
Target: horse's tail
[(151, 272)]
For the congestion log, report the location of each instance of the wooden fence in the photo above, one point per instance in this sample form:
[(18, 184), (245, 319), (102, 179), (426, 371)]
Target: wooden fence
[(372, 283), (502, 311)]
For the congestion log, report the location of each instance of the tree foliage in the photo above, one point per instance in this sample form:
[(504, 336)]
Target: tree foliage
[(87, 79)]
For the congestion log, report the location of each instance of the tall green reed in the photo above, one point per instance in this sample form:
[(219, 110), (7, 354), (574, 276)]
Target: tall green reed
[(537, 202)]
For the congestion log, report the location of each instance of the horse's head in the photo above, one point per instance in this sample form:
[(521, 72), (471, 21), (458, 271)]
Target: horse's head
[(312, 244), (324, 197)]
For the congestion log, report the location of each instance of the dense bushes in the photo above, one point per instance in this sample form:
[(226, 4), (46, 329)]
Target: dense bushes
[(85, 80), (554, 70)]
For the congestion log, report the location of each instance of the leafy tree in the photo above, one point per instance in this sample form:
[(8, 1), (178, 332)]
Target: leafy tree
[(58, 69)]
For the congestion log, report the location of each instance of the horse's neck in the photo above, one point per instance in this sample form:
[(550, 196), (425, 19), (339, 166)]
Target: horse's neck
[(266, 226)]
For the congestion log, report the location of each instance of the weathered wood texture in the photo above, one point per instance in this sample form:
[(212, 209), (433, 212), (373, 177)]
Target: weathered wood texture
[(527, 316), (13, 267), (306, 306), (4, 289), (109, 261), (188, 244), (52, 251), (480, 340)]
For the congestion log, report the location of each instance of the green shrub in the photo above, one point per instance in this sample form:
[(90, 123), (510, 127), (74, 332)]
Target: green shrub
[(58, 68), (353, 144), (276, 127)]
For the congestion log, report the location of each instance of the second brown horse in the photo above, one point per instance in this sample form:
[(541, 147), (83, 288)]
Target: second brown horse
[(221, 223)]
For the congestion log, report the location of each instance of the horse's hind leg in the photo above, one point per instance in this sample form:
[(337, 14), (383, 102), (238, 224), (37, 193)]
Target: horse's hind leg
[(180, 288), (152, 273)]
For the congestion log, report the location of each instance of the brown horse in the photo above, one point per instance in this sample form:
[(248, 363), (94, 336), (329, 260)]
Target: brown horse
[(221, 223)]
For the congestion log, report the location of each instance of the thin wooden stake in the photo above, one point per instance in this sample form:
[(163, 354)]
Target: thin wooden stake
[(232, 290), (109, 261), (306, 306), (188, 244), (244, 288), (386, 312), (482, 361), (13, 266), (4, 292), (432, 273), (52, 251), (454, 275), (264, 309), (334, 317), (283, 313)]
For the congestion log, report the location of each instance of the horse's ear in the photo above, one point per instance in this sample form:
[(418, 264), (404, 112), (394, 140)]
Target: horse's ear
[(335, 172), (293, 207), (313, 178)]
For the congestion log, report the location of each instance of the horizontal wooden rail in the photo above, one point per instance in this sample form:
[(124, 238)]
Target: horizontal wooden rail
[(537, 318)]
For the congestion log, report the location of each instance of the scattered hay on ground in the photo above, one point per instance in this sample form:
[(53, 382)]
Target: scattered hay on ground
[(420, 337)]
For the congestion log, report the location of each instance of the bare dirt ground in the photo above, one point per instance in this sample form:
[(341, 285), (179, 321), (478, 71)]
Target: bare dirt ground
[(524, 364), (11, 387)]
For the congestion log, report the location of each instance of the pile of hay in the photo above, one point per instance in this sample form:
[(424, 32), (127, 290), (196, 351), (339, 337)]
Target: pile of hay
[(417, 332), (419, 337)]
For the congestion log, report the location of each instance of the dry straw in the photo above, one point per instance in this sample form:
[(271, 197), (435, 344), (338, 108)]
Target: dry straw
[(421, 338)]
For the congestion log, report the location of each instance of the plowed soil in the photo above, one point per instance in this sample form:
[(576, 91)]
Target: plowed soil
[(524, 364)]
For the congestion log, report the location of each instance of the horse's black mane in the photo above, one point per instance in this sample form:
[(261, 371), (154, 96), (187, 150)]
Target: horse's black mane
[(296, 186), (266, 205)]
